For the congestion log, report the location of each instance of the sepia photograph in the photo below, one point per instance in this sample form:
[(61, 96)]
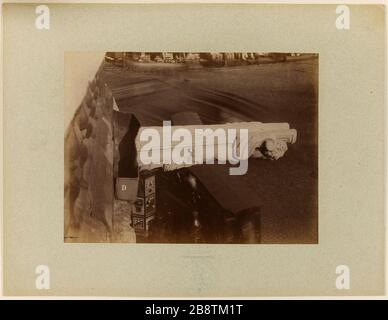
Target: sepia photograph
[(193, 147), (193, 151)]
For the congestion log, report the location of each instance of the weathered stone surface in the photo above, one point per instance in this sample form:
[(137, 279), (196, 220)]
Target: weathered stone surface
[(89, 168), (122, 230)]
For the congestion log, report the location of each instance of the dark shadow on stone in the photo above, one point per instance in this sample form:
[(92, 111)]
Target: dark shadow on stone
[(127, 166)]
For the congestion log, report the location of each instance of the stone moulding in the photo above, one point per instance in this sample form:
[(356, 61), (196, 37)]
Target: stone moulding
[(265, 141)]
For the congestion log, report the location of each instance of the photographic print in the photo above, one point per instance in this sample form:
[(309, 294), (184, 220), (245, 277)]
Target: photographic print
[(194, 150), (182, 147)]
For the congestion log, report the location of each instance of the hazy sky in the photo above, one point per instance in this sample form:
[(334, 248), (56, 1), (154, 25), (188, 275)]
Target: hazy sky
[(80, 67)]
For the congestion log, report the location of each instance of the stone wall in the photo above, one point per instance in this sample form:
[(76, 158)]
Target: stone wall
[(89, 167)]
